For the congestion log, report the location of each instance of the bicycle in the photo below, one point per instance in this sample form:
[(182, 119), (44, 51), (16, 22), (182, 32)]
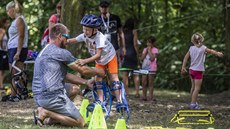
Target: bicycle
[(121, 107)]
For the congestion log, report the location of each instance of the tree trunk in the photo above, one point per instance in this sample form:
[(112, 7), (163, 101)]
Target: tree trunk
[(227, 30), (72, 12), (227, 38)]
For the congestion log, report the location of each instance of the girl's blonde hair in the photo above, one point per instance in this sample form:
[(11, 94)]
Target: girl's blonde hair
[(16, 5), (197, 38)]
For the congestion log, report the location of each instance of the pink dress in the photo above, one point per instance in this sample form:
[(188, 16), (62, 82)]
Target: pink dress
[(147, 63)]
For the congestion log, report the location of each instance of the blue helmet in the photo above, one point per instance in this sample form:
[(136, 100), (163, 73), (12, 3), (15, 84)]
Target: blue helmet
[(91, 21)]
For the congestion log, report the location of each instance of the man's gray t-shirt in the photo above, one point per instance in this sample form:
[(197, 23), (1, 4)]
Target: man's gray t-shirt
[(50, 69)]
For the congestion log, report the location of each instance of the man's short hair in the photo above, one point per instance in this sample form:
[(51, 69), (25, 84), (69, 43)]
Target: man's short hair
[(57, 29), (104, 3)]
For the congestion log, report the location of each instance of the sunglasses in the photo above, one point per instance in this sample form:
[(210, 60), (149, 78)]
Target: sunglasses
[(67, 36)]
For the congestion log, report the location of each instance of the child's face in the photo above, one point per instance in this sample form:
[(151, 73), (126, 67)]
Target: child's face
[(88, 31), (149, 44)]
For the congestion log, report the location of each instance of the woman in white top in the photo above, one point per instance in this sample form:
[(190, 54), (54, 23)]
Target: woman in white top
[(18, 39)]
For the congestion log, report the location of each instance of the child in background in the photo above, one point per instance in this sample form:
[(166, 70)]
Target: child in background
[(149, 57), (54, 18), (196, 54), (4, 65), (103, 53)]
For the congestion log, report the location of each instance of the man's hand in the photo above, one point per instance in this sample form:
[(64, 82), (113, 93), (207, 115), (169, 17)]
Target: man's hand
[(81, 62), (90, 83)]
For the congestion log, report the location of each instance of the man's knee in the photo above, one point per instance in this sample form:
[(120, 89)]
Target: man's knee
[(75, 90)]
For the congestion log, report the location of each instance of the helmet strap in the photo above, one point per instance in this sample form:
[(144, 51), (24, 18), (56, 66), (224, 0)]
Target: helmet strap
[(93, 34)]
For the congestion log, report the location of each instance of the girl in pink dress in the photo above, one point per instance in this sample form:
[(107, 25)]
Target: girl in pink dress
[(149, 65)]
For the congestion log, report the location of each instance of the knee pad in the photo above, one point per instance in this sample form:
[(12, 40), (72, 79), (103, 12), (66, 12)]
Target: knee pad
[(123, 105), (116, 85), (100, 85)]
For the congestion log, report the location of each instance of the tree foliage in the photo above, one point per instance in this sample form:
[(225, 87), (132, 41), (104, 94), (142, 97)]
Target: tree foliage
[(172, 22)]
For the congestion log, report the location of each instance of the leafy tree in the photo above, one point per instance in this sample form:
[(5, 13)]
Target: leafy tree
[(172, 22)]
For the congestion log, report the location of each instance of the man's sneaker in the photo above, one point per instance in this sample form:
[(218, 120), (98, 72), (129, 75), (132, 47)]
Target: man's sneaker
[(194, 106)]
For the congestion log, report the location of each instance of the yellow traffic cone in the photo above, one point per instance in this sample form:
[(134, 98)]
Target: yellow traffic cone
[(83, 110), (120, 124), (98, 120)]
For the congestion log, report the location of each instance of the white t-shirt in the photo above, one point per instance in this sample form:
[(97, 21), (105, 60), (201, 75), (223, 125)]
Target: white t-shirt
[(197, 55), (13, 34), (99, 41)]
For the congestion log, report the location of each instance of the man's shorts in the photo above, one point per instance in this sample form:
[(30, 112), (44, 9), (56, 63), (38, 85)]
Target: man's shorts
[(68, 89), (13, 51), (60, 104), (196, 74), (4, 65)]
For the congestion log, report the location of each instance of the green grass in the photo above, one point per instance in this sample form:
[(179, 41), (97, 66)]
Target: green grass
[(143, 114)]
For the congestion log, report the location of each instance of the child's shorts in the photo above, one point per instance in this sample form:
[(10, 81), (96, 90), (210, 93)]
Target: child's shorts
[(196, 74), (111, 66)]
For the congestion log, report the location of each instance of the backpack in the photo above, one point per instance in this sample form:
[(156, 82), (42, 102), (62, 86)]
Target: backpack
[(45, 36)]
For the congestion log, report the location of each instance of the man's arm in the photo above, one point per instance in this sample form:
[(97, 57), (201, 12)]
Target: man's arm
[(71, 78), (75, 79), (87, 71)]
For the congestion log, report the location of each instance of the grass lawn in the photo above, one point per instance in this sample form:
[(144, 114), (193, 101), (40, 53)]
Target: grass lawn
[(144, 115)]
